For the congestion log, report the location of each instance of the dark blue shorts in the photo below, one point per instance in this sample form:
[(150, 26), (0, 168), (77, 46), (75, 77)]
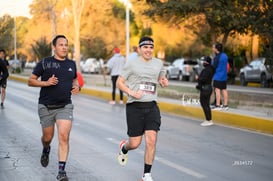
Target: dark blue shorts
[(141, 117)]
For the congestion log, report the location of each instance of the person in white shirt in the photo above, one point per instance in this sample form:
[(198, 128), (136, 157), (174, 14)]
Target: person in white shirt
[(115, 64), (133, 55)]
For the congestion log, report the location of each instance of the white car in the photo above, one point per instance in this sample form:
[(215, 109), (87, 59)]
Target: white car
[(30, 65), (15, 66), (181, 69), (91, 65), (259, 71)]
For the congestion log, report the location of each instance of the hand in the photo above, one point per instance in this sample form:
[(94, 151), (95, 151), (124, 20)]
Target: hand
[(136, 95), (163, 82), (196, 77), (52, 81), (75, 89)]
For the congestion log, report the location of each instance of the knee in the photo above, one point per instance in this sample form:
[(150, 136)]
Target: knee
[(134, 145), (63, 138), (47, 138), (151, 141)]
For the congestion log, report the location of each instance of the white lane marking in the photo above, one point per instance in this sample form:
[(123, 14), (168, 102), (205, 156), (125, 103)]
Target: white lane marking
[(180, 168), (167, 162)]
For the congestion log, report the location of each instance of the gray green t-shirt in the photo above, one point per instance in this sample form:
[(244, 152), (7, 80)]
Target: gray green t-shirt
[(139, 74)]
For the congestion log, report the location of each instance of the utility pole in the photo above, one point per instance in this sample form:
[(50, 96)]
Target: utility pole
[(15, 40), (128, 5), (127, 28)]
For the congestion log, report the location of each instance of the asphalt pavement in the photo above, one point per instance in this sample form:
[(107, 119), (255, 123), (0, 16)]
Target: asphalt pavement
[(185, 150), (251, 120)]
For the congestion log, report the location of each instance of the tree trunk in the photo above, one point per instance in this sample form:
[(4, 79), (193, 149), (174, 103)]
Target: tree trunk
[(77, 6), (255, 46)]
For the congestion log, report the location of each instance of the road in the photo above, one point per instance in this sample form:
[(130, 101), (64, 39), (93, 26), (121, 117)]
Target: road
[(186, 151)]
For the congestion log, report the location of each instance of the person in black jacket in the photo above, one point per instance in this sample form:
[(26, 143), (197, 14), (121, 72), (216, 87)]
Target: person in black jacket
[(205, 87), (4, 74)]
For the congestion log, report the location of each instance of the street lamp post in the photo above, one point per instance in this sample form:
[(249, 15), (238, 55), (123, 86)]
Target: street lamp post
[(127, 29), (15, 40), (128, 5)]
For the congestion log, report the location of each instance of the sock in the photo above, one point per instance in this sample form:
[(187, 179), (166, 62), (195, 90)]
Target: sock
[(61, 166), (124, 151), (147, 168)]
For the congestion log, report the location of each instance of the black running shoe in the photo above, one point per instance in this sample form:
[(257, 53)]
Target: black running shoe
[(45, 158), (2, 105), (62, 176)]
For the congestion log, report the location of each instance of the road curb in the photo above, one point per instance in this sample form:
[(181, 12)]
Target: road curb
[(249, 122)]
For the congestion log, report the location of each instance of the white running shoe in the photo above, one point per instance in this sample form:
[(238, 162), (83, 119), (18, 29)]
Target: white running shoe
[(112, 102), (207, 123), (147, 177), (225, 107), (217, 108), (122, 158)]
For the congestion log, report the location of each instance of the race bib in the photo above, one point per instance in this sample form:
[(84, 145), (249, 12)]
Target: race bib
[(148, 87)]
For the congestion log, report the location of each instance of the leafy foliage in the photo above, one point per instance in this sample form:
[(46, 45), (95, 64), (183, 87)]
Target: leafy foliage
[(6, 32), (41, 48), (94, 47), (224, 19), (179, 27)]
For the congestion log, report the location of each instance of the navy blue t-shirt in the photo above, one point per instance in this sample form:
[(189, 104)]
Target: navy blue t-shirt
[(65, 71), (4, 73)]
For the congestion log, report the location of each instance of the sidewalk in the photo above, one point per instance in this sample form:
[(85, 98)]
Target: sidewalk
[(251, 120)]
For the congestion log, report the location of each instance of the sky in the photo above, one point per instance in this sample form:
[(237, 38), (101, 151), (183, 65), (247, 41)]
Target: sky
[(15, 7)]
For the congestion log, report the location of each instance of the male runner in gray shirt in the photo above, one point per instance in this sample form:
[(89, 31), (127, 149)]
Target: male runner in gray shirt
[(139, 79)]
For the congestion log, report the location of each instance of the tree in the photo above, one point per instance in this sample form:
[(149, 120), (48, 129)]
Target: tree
[(41, 48), (260, 20), (223, 17), (45, 9), (6, 32), (94, 47), (77, 8)]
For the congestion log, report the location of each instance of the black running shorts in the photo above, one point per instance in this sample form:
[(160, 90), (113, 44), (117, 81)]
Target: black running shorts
[(141, 117), (220, 84)]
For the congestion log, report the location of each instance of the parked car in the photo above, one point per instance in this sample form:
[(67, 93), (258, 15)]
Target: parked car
[(258, 70), (182, 69), (91, 65), (30, 64), (15, 66), (166, 65)]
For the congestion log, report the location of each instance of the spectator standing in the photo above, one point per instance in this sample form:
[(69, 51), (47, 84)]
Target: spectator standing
[(4, 74), (205, 87), (115, 64), (58, 81), (133, 55), (139, 79), (220, 63)]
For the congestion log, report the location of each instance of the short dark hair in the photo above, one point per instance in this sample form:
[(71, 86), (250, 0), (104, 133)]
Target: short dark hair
[(2, 50), (54, 41), (207, 59), (145, 41), (219, 47)]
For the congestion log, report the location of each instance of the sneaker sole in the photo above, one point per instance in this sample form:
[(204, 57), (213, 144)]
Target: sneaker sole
[(207, 124), (122, 158), (63, 179)]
